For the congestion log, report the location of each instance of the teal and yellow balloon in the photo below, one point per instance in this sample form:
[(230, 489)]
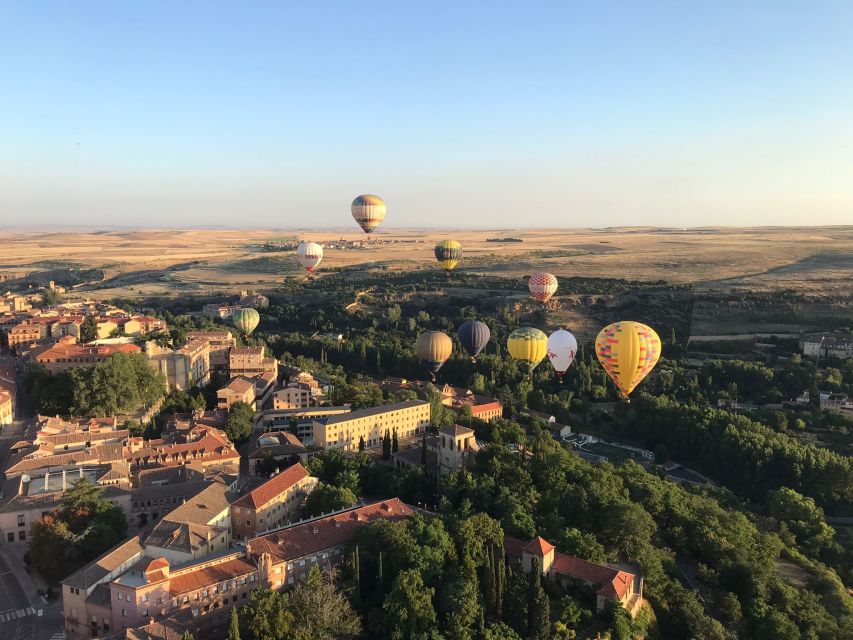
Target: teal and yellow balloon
[(246, 320), (448, 252)]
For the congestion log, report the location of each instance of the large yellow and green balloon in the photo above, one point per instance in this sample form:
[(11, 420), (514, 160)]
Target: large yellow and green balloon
[(628, 351), (528, 345), (246, 320), (448, 252)]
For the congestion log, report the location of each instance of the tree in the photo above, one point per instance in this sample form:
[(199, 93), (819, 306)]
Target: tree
[(51, 297), (500, 631), (325, 498), (320, 611), (394, 314), (459, 605), (233, 626), (386, 446), (538, 607), (187, 636), (409, 613), (238, 426), (361, 445), (89, 329), (268, 614), (395, 445)]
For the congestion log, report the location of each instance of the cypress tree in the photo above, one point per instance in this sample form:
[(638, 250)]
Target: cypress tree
[(500, 581), (424, 451), (361, 445), (234, 626), (386, 446), (395, 445), (538, 607)]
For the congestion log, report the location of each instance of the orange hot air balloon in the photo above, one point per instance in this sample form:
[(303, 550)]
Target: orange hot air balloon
[(368, 211), (628, 351)]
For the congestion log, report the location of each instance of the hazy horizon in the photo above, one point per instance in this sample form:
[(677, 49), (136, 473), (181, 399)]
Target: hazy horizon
[(208, 115)]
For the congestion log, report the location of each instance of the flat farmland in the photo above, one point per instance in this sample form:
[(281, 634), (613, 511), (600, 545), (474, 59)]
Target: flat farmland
[(817, 261)]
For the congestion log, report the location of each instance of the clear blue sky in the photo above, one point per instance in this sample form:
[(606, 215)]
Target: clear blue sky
[(458, 113)]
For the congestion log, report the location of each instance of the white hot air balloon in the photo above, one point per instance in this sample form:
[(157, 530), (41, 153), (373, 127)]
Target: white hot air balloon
[(562, 348), (309, 254)]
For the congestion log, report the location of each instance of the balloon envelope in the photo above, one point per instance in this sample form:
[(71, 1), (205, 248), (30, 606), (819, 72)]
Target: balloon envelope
[(448, 252), (474, 336), (542, 286), (433, 348), (562, 347), (368, 211), (528, 345), (309, 254), (246, 320), (628, 351)]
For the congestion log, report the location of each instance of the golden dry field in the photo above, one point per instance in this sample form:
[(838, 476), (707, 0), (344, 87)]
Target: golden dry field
[(175, 261)]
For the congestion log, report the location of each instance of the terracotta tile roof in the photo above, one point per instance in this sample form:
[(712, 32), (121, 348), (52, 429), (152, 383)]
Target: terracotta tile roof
[(262, 495), (539, 546), (325, 533), (240, 385), (513, 547), (28, 464), (66, 350), (159, 563), (247, 351), (483, 408), (286, 444), (210, 575)]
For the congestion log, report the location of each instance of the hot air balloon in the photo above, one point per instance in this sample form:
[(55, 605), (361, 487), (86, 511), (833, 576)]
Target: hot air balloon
[(627, 351), (542, 286), (309, 254), (562, 348), (448, 252), (246, 320), (368, 211), (528, 345), (433, 348), (474, 336)]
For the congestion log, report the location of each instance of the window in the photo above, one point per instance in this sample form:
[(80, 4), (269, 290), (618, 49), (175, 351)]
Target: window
[(10, 537), (21, 520), (124, 613), (22, 535)]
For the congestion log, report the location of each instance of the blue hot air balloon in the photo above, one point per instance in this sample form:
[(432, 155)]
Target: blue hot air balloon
[(474, 336)]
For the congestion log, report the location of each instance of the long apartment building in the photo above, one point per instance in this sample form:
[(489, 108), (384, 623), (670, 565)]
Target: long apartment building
[(344, 431), (198, 596), (183, 368)]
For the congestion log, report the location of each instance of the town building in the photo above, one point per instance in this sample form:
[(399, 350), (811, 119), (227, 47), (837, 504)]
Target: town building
[(296, 395), (252, 390), (453, 448), (608, 584), (203, 446), (135, 591), (219, 310), (183, 368), (827, 345), (271, 504), (301, 421), (456, 398), (250, 361), (7, 407), (27, 498), (26, 333), (131, 583), (249, 298), (344, 431), (67, 354), (220, 343), (278, 448)]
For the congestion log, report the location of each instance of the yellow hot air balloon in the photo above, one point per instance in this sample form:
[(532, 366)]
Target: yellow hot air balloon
[(528, 345), (433, 349), (448, 252), (628, 351)]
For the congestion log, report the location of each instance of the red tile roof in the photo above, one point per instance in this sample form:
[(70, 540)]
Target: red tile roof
[(210, 575), (539, 546), (325, 533), (259, 497)]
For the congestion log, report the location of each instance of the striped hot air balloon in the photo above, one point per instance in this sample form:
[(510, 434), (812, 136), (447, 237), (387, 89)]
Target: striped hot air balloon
[(368, 211), (433, 349), (246, 320), (474, 336), (528, 345), (448, 252), (628, 351), (542, 286), (309, 254)]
